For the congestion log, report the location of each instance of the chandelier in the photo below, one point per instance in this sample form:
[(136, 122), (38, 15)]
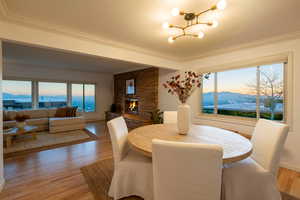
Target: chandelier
[(192, 19)]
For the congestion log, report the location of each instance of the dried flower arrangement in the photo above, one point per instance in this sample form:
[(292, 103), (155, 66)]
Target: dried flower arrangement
[(21, 118), (184, 86)]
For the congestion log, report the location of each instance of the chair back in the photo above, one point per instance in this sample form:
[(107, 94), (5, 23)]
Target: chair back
[(268, 142), (186, 170), (118, 133), (170, 117)]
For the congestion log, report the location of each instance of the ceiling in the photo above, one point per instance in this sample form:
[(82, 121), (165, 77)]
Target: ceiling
[(137, 23), (65, 60)]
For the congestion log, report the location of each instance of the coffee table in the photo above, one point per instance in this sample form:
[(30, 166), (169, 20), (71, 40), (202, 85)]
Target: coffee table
[(27, 130)]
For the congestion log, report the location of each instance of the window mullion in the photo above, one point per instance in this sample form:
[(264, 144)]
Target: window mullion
[(35, 94), (285, 84), (216, 93), (83, 98), (69, 94), (258, 92)]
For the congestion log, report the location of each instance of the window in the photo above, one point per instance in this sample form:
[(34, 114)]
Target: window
[(52, 95), (208, 103), (271, 102), (16, 95), (255, 92), (77, 96), (89, 97), (83, 96)]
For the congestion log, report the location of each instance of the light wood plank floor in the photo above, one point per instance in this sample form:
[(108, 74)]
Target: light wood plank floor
[(55, 174)]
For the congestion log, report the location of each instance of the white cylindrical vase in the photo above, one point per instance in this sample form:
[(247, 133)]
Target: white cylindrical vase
[(184, 119)]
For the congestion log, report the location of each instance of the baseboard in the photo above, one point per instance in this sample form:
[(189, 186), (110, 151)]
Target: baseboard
[(291, 167), (2, 182)]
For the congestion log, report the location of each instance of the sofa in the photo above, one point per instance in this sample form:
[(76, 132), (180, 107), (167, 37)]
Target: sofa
[(45, 119)]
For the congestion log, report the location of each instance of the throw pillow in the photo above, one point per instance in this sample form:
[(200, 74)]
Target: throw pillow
[(61, 112), (71, 111), (74, 111)]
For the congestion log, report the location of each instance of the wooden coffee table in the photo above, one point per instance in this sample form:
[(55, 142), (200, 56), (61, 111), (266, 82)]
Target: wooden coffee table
[(9, 133)]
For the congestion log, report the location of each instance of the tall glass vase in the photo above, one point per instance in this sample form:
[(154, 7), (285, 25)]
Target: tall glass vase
[(184, 118)]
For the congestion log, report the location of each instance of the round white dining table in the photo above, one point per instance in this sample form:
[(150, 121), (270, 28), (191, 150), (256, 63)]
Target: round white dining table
[(235, 147)]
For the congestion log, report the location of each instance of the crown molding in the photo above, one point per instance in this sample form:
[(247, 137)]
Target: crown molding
[(11, 17)]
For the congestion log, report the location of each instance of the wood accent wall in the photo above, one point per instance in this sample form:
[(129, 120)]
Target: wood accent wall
[(146, 82)]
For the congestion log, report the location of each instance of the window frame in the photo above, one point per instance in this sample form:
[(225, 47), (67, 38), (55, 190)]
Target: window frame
[(35, 90), (38, 92), (286, 57), (258, 80), (32, 97), (83, 95)]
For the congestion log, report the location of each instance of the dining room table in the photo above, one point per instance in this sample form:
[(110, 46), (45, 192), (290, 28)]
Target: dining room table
[(235, 147)]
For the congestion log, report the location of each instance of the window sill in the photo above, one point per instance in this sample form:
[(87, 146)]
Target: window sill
[(228, 119)]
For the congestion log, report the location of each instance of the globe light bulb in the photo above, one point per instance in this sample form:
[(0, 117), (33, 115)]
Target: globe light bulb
[(170, 39), (175, 12), (215, 24), (165, 25), (221, 5), (200, 35)]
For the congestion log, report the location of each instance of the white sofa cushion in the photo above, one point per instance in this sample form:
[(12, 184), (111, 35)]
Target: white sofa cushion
[(11, 114), (38, 121), (34, 114), (51, 112), (61, 121)]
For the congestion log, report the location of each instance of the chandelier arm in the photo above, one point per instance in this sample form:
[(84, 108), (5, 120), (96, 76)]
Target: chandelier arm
[(184, 34), (189, 25), (175, 26), (205, 11), (206, 23)]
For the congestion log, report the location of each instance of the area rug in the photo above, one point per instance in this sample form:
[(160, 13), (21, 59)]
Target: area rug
[(45, 140), (98, 177)]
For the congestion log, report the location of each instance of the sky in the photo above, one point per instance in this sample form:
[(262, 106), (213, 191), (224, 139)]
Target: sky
[(238, 80)]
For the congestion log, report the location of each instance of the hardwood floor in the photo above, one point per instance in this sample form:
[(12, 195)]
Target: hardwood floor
[(55, 174)]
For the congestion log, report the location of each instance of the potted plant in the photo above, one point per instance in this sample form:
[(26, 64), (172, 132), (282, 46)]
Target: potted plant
[(183, 87), (156, 116), (21, 120)]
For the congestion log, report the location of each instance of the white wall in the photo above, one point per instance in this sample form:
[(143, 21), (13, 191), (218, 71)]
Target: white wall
[(1, 124), (57, 40), (104, 82), (291, 155)]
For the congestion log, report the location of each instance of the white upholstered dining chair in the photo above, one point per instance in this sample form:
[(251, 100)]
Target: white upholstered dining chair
[(186, 170), (132, 171), (170, 117), (255, 177)]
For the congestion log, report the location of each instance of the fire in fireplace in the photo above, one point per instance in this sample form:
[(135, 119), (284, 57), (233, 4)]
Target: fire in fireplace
[(132, 106)]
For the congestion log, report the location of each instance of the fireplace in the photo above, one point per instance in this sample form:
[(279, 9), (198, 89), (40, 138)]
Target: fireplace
[(132, 106)]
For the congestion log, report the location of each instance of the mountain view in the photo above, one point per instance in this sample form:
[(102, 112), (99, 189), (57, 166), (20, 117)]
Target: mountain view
[(230, 101), (13, 101)]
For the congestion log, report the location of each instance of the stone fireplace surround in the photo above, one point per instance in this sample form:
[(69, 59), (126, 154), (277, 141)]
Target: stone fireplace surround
[(146, 82), (146, 95)]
